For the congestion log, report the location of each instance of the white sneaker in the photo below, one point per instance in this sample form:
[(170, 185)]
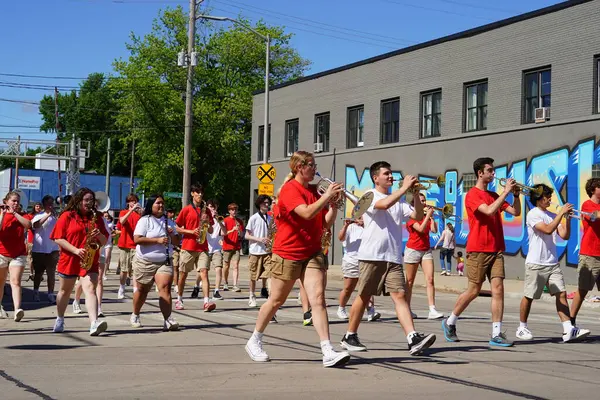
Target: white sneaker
[(19, 314), (255, 350), (342, 314), (372, 315), (332, 358), (3, 314), (59, 326), (575, 334), (121, 293), (51, 298), (236, 289), (98, 327), (135, 321), (525, 334), (76, 308), (252, 302), (435, 314), (170, 324)]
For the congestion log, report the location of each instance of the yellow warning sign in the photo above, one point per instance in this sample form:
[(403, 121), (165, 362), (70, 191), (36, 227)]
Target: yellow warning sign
[(266, 173)]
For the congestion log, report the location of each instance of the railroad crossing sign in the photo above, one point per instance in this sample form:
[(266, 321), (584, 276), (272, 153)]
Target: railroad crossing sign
[(266, 189), (266, 173)]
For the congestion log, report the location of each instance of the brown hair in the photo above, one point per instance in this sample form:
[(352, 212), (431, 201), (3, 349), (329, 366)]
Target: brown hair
[(77, 199), (10, 194), (130, 197), (232, 206), (591, 185)]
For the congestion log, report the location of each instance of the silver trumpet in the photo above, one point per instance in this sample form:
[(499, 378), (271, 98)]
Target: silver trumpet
[(361, 205), (580, 214)]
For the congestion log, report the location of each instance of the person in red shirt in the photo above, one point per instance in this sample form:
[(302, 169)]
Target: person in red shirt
[(232, 244), (195, 223), (73, 232), (128, 220), (485, 246), (301, 217), (13, 253), (418, 251), (588, 269)]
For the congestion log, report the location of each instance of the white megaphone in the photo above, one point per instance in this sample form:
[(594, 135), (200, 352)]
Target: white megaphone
[(103, 201), (24, 201)]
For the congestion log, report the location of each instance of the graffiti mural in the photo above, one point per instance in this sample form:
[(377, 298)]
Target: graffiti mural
[(564, 170)]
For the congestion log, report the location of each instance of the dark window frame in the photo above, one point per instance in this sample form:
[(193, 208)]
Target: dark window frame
[(596, 104), (540, 98), (261, 130), (434, 114), (287, 152), (349, 143), (479, 107), (395, 123), (327, 134)]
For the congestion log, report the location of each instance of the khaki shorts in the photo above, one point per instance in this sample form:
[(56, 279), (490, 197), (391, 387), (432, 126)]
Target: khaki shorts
[(13, 262), (589, 272), (256, 265), (482, 265), (538, 276), (44, 261), (176, 259), (350, 269), (125, 260), (144, 271), (290, 270), (229, 255), (188, 260), (412, 256), (216, 259), (380, 277)]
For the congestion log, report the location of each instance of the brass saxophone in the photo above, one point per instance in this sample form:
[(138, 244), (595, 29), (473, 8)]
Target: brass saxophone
[(91, 245), (271, 231), (204, 228)]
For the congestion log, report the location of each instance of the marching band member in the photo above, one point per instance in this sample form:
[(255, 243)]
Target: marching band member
[(37, 208), (128, 220), (13, 253), (588, 269), (75, 232), (297, 253), (215, 255), (176, 252), (232, 245), (541, 265), (44, 251), (153, 236), (485, 246), (380, 258), (418, 251), (257, 233), (192, 222), (107, 250)]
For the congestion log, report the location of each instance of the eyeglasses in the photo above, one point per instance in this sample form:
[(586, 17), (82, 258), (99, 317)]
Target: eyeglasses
[(311, 165)]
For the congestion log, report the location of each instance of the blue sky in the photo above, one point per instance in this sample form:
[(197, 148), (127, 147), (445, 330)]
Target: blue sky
[(77, 37)]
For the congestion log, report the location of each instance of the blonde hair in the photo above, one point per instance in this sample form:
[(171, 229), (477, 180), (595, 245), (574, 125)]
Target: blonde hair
[(11, 194), (298, 159)]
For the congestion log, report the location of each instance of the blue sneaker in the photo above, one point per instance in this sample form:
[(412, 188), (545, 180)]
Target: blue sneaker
[(500, 341), (449, 331)]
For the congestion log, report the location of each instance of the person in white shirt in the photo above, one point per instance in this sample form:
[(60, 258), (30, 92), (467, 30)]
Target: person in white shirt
[(215, 246), (380, 257), (107, 249), (448, 241), (541, 265), (154, 236), (257, 234), (44, 252)]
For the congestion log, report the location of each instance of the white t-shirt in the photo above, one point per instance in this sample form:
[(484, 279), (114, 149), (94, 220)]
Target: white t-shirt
[(448, 236), (214, 239), (351, 243), (258, 226), (382, 235), (109, 228), (41, 238), (151, 227), (542, 247)]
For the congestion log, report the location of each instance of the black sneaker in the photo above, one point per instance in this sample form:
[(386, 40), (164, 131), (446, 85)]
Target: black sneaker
[(420, 342), (351, 343), (273, 320), (118, 271), (195, 292), (217, 296), (264, 293), (307, 319), (128, 281)]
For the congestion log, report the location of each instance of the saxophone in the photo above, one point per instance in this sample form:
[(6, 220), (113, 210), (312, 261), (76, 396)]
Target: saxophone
[(204, 225), (91, 245), (271, 231)]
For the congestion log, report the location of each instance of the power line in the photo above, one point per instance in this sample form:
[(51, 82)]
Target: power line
[(458, 3), (41, 76), (401, 3)]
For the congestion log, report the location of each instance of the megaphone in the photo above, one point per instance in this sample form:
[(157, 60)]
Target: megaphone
[(24, 200), (103, 201)]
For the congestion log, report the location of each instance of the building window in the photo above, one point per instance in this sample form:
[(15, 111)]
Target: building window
[(469, 181), (261, 142), (322, 132), (390, 121), (596, 171), (291, 137), (476, 106), (597, 84), (536, 93), (431, 110), (356, 125)]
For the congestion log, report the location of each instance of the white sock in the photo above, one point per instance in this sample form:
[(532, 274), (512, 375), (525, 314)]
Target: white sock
[(75, 301), (179, 298), (349, 333), (257, 335), (326, 346), (410, 336), (432, 308), (452, 319), (567, 326), (522, 324), (496, 328), (122, 287), (135, 289), (60, 319), (340, 308), (205, 300), (216, 290)]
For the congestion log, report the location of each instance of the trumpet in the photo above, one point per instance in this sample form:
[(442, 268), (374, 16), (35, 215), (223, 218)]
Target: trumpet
[(447, 211), (361, 205), (425, 184), (526, 190), (578, 214)]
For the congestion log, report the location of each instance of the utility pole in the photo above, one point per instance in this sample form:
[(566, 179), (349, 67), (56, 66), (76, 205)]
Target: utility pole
[(107, 184), (72, 166), (56, 128), (16, 185), (266, 130), (132, 165)]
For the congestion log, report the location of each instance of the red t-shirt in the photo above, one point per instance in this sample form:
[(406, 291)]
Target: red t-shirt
[(486, 234), (73, 228), (418, 240), (12, 237), (232, 241), (297, 238), (29, 231), (590, 242), (189, 218), (127, 229)]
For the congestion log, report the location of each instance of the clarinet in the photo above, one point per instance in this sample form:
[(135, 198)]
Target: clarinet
[(168, 261)]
